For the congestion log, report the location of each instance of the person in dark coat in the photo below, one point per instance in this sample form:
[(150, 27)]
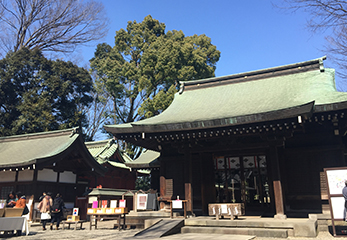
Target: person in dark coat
[(11, 200), (57, 211)]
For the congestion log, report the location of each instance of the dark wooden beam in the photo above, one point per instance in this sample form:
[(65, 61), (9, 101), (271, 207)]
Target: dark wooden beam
[(188, 175), (276, 180)]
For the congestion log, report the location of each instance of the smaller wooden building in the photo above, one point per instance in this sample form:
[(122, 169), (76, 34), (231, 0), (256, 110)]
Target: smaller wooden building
[(108, 154), (149, 162), (56, 161)]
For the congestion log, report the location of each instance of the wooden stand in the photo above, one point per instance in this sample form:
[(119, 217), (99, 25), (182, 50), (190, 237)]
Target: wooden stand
[(98, 213), (184, 202), (226, 209), (73, 222)]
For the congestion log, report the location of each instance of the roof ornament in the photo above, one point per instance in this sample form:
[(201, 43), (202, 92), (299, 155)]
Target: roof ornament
[(110, 142), (74, 131), (181, 88), (321, 66)]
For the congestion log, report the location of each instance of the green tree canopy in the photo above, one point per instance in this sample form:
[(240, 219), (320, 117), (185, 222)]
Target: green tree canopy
[(37, 94), (141, 70)]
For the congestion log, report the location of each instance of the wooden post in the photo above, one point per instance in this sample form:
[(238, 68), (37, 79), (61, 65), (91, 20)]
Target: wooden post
[(277, 185), (188, 175), (135, 202), (189, 196), (207, 181), (162, 191)]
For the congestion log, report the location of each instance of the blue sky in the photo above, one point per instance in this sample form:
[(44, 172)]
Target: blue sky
[(250, 34)]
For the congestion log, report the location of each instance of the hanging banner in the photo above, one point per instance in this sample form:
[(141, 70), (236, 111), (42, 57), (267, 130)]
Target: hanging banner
[(219, 162)]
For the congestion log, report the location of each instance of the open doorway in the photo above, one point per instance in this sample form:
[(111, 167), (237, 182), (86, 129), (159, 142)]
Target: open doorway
[(242, 179)]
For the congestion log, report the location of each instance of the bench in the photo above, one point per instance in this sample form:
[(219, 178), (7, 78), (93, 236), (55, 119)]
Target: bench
[(226, 210), (73, 222)]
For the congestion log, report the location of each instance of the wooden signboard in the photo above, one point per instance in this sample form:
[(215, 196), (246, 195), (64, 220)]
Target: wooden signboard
[(336, 178), (141, 201)]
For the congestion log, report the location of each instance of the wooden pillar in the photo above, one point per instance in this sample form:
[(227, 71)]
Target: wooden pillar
[(276, 181), (162, 182), (208, 190), (162, 191), (155, 182), (188, 180), (16, 182)]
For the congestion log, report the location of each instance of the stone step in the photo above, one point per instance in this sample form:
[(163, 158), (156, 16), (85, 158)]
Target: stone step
[(131, 223), (258, 232)]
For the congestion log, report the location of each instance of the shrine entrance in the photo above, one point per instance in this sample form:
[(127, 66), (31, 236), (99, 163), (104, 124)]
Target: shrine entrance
[(242, 179)]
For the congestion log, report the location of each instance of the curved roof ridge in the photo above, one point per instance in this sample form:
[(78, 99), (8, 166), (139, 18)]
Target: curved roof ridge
[(229, 102), (29, 136), (259, 74)]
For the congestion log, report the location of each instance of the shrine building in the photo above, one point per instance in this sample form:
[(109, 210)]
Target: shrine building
[(261, 138)]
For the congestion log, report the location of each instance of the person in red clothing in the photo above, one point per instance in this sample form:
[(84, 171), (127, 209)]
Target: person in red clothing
[(21, 202)]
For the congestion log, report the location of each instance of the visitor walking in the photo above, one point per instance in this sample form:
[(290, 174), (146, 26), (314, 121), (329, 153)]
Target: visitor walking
[(344, 193), (57, 211), (45, 209)]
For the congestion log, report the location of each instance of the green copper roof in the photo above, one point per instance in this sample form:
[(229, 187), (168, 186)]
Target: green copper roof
[(102, 150), (263, 95), (31, 148), (147, 159), (108, 151), (43, 148), (110, 192)]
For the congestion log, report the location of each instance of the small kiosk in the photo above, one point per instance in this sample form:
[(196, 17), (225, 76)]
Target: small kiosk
[(109, 203)]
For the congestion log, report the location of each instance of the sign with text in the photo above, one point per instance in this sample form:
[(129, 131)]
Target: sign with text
[(141, 201), (336, 178)]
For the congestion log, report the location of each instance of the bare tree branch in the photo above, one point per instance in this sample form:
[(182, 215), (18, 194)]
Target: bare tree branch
[(327, 15), (50, 25)]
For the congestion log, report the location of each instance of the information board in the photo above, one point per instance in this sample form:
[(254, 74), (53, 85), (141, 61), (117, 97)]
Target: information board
[(336, 178)]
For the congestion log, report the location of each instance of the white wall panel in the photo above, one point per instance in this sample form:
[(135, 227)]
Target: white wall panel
[(26, 175), (8, 176), (47, 175), (67, 177)]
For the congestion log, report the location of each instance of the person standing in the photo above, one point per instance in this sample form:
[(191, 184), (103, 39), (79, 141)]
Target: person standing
[(45, 209), (57, 211), (344, 193), (43, 195)]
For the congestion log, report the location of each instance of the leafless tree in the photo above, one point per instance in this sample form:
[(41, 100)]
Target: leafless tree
[(328, 15), (99, 111), (51, 25)]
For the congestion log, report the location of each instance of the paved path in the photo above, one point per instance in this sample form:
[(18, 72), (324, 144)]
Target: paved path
[(105, 232)]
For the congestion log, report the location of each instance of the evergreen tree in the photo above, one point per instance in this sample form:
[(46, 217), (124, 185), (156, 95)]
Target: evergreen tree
[(141, 70), (37, 94)]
